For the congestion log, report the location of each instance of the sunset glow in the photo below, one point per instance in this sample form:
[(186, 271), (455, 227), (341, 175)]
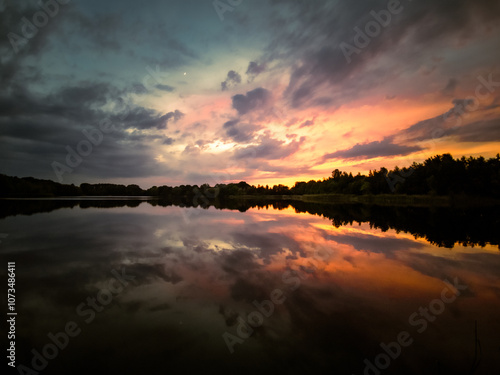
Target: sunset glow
[(199, 96)]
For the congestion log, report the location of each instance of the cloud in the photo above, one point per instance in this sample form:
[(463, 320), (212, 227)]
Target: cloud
[(91, 63), (267, 244), (168, 141), (375, 244), (84, 94), (79, 103), (311, 49), (435, 127), (240, 132), (237, 262), (372, 150), (176, 115), (480, 131), (450, 87), (12, 17), (165, 88), (232, 80), (100, 29), (254, 99), (40, 127), (307, 123), (269, 149), (254, 69), (142, 118), (138, 88)]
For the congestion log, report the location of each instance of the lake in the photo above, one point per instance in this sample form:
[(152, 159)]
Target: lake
[(150, 287)]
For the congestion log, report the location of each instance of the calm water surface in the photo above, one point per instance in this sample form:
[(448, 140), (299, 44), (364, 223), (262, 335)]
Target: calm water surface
[(171, 290)]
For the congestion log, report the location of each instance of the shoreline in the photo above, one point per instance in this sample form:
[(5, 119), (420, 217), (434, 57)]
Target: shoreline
[(394, 200), (379, 200)]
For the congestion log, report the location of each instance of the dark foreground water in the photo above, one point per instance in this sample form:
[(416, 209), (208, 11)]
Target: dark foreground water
[(149, 288)]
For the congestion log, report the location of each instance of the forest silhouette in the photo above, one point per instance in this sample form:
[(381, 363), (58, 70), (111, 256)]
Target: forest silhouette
[(440, 175), (441, 226)]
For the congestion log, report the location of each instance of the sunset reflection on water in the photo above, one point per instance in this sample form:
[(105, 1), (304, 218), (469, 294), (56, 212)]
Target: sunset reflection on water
[(198, 276)]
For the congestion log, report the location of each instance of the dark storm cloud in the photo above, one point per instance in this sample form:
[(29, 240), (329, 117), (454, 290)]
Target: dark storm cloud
[(232, 79), (254, 99), (319, 63), (15, 48), (76, 103), (325, 66), (119, 155), (86, 94), (44, 125), (372, 150), (137, 136)]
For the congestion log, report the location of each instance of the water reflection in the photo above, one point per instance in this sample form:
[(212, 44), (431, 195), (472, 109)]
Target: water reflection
[(441, 226), (201, 274)]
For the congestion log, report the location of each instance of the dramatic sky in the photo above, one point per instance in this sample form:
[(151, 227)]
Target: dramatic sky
[(266, 91)]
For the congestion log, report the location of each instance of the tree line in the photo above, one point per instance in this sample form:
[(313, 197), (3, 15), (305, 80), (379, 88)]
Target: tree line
[(438, 175), (442, 226)]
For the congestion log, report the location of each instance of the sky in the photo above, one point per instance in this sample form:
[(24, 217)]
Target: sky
[(264, 91)]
